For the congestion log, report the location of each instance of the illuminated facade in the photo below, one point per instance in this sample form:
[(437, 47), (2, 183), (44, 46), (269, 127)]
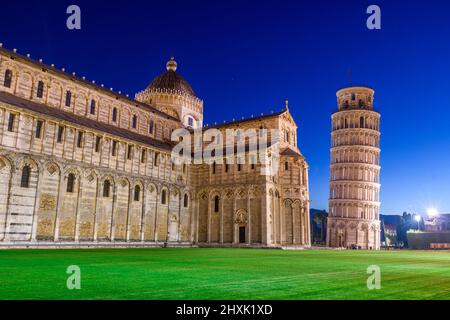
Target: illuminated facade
[(354, 204), (81, 164)]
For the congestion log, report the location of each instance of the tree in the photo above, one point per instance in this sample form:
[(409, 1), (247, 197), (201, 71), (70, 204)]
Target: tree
[(320, 219)]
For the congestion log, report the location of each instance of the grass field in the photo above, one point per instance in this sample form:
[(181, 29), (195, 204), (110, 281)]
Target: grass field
[(223, 274)]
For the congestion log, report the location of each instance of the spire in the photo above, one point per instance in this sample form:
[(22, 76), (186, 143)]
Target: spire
[(171, 65), (287, 104)]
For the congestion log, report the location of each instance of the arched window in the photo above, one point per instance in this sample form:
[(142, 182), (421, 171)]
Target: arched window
[(40, 89), (114, 114), (286, 166), (163, 197), (134, 122), (361, 122), (92, 108), (70, 182), (8, 79), (137, 193), (214, 168), (186, 201), (106, 188), (216, 203), (25, 181), (150, 127), (353, 97), (190, 122), (68, 98)]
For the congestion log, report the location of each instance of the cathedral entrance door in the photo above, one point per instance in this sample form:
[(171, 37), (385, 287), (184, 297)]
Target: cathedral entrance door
[(241, 234)]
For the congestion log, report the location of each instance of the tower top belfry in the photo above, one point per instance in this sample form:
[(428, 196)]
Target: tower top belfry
[(352, 98)]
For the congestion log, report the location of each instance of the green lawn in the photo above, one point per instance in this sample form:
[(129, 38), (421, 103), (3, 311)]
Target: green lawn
[(223, 274)]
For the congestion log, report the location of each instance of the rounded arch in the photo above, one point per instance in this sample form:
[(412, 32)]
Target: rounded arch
[(108, 177), (124, 182), (215, 192), (186, 199), (34, 165), (52, 168), (152, 187), (288, 203), (241, 217), (70, 169), (164, 195), (26, 77), (5, 163), (190, 119)]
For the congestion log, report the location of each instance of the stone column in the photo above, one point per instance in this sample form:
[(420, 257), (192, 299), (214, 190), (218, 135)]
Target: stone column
[(249, 239), (59, 206), (130, 198), (77, 211), (36, 205), (155, 228), (233, 223), (221, 217), (143, 213), (113, 212), (208, 239)]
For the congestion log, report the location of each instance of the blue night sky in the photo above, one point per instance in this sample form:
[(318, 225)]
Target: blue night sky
[(246, 57)]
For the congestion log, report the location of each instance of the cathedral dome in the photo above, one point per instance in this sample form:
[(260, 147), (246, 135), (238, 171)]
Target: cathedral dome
[(171, 81)]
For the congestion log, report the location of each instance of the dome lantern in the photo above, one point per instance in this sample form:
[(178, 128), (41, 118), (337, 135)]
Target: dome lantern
[(171, 65)]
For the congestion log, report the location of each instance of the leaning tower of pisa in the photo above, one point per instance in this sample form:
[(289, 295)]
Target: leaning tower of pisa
[(354, 204)]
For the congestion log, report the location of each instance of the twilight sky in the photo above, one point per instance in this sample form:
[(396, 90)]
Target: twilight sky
[(246, 57)]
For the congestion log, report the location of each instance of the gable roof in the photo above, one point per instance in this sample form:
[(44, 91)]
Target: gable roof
[(288, 152), (237, 122)]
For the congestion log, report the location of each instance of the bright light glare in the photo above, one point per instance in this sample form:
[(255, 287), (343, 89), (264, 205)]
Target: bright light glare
[(432, 212), (418, 218)]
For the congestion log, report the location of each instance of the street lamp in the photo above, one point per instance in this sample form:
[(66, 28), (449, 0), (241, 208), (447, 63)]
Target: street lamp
[(432, 212), (418, 218)]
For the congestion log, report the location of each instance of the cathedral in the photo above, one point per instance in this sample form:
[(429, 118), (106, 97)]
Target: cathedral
[(84, 165)]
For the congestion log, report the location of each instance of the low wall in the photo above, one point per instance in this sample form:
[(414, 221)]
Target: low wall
[(423, 240)]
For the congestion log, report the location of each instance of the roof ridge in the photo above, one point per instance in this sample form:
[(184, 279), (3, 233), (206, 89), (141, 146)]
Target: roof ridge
[(73, 77), (275, 114)]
